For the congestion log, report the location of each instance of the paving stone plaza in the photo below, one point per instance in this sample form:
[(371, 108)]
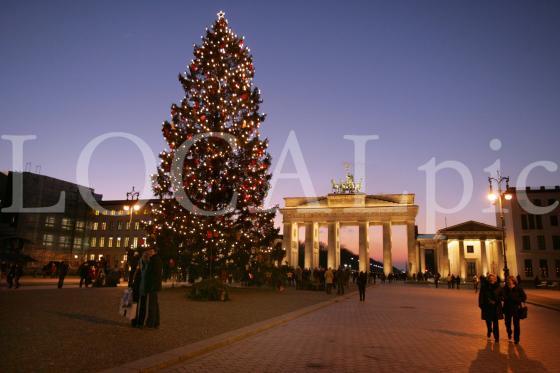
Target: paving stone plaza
[(397, 329)]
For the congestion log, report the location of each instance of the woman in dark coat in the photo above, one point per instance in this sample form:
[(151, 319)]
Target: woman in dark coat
[(362, 282), (514, 297), (490, 303)]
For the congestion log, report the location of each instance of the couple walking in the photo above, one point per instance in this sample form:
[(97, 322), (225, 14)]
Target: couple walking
[(497, 303), (146, 283)]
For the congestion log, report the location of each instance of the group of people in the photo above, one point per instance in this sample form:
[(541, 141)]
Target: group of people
[(13, 275), (98, 274), (502, 303), (453, 282), (145, 279)]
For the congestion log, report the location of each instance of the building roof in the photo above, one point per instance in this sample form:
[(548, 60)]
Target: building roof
[(469, 226)]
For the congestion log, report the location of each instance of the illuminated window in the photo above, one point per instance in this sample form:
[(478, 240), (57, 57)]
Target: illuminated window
[(67, 224), (137, 225), (135, 242), (96, 212), (77, 242), (119, 226), (92, 257), (118, 242), (95, 226), (113, 212), (101, 241), (93, 241), (110, 242), (49, 221), (126, 239), (80, 225), (48, 240), (127, 225), (64, 242), (103, 226)]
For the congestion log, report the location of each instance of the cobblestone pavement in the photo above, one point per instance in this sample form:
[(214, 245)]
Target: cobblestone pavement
[(397, 329)]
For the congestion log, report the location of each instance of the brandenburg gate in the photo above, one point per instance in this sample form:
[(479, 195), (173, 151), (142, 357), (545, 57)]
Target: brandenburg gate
[(346, 206)]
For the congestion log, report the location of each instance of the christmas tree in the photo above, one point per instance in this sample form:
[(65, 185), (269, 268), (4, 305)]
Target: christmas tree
[(214, 177)]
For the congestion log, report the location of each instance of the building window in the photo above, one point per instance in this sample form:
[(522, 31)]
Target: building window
[(49, 221), (101, 241), (543, 265), (118, 242), (538, 218), (113, 212), (126, 239), (470, 249), (48, 240), (95, 226), (135, 242), (523, 221), (110, 242), (526, 243), (557, 268), (104, 226), (554, 220), (96, 212), (80, 225), (93, 241), (77, 242), (127, 225), (64, 242), (541, 242), (531, 221), (528, 268), (119, 225), (66, 224), (556, 242), (137, 225)]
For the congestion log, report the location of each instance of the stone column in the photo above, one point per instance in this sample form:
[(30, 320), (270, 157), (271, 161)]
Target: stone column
[(315, 245), (308, 256), (462, 261), (411, 240), (387, 256), (422, 262), (333, 259), (445, 265), (363, 235), (287, 242), (483, 257)]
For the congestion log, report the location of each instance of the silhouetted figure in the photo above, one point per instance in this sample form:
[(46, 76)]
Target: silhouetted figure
[(490, 303), (62, 272), (362, 282), (514, 298)]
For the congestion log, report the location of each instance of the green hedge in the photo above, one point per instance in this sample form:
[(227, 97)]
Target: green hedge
[(209, 289)]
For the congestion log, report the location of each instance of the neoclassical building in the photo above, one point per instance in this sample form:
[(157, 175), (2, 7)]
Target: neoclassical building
[(340, 209), (466, 249)]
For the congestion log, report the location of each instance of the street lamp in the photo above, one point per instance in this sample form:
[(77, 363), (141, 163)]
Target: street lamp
[(134, 206), (499, 196)]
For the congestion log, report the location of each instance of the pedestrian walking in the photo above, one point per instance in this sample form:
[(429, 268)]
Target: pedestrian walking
[(340, 282), (514, 301), (475, 283), (449, 280), (490, 304), (458, 281), (82, 272), (329, 279), (453, 281), (62, 272), (362, 282), (437, 276)]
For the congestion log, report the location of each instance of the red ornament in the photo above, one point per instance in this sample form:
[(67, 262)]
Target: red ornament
[(251, 67), (216, 234), (209, 234), (193, 67), (244, 96), (241, 43), (203, 118)]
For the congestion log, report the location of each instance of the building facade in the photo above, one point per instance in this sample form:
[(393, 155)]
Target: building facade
[(533, 232), (117, 230)]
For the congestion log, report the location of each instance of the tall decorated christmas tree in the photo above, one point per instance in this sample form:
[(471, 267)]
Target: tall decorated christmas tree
[(213, 178)]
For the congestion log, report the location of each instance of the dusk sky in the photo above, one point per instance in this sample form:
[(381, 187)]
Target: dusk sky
[(430, 78)]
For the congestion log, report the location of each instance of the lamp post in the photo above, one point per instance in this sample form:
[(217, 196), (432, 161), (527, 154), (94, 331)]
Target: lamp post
[(498, 197), (133, 197)]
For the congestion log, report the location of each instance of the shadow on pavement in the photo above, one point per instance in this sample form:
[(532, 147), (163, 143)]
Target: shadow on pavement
[(91, 319), (491, 359)]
